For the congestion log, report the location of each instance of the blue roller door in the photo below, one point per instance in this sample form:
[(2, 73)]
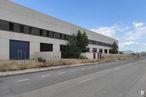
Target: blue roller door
[(19, 50)]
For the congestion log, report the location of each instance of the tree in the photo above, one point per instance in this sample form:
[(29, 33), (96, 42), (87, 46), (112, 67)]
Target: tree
[(114, 49), (73, 49), (82, 41), (76, 45), (70, 50)]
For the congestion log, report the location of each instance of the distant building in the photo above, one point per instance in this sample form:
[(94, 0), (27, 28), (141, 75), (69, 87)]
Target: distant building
[(24, 31), (128, 52)]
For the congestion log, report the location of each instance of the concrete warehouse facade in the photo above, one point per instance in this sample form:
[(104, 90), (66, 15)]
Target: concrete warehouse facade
[(24, 31)]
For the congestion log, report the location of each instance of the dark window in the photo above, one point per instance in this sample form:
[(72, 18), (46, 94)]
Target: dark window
[(99, 43), (105, 51), (63, 36), (16, 27), (90, 41), (56, 35), (60, 36), (87, 49), (11, 26), (44, 47), (21, 28), (48, 34), (35, 31), (41, 32), (26, 29), (110, 51), (45, 33), (100, 50), (110, 45), (63, 47), (94, 50), (4, 25), (30, 30), (51, 34)]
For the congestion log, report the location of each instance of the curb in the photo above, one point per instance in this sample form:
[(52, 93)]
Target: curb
[(27, 71)]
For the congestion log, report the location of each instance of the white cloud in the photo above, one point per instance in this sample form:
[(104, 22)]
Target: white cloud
[(138, 24), (108, 31), (127, 43), (144, 44), (136, 33), (128, 36)]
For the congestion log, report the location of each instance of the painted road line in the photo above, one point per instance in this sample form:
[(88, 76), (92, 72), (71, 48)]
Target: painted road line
[(82, 68), (74, 70), (88, 79), (47, 75), (60, 73), (89, 67), (22, 80)]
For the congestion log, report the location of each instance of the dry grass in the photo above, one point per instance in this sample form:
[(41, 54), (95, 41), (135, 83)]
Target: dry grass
[(111, 58), (18, 66), (13, 66), (21, 65), (66, 62)]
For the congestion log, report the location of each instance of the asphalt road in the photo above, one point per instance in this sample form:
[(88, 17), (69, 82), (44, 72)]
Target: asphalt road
[(116, 79)]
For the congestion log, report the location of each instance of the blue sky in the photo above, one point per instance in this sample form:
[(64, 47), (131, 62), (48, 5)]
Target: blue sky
[(124, 20)]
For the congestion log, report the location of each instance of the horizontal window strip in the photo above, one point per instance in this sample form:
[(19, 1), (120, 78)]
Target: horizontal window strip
[(26, 29)]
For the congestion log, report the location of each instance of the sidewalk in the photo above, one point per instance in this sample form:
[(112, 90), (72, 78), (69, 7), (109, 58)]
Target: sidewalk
[(19, 72)]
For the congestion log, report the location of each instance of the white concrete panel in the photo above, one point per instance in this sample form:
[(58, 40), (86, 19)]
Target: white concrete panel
[(17, 13), (4, 48), (34, 41)]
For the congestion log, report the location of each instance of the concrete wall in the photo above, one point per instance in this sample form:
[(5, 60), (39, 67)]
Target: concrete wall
[(99, 47), (48, 56), (90, 55), (35, 41)]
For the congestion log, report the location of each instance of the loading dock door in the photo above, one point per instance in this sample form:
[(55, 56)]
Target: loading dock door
[(94, 55), (19, 50)]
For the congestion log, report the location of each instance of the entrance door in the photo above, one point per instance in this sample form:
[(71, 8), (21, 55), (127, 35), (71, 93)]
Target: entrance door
[(19, 50), (20, 54), (94, 55)]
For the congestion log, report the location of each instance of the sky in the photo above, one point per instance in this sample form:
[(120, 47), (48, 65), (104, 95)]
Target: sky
[(124, 20)]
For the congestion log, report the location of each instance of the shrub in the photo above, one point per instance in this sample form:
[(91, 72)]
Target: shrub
[(41, 60), (82, 57)]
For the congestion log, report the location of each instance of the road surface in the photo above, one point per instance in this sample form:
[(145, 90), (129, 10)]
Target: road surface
[(116, 79)]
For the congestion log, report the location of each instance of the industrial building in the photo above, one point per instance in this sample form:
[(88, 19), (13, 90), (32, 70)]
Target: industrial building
[(24, 32)]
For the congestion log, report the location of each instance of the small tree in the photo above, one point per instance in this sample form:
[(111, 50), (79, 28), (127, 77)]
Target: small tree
[(114, 49), (82, 41), (76, 45), (72, 50), (64, 51)]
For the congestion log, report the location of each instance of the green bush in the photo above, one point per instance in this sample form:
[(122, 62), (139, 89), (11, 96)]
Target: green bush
[(75, 46), (41, 60), (82, 57)]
